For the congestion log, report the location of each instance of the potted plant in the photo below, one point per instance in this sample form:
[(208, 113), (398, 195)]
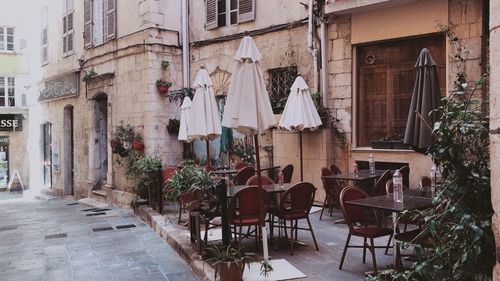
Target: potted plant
[(122, 138), (173, 126), (181, 181), (229, 262), (138, 145), (162, 84)]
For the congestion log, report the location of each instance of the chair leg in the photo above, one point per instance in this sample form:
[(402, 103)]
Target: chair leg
[(388, 245), (373, 256), (296, 229), (364, 249), (271, 225), (312, 233), (256, 237), (207, 224), (323, 208), (291, 236), (345, 250), (235, 234), (240, 234)]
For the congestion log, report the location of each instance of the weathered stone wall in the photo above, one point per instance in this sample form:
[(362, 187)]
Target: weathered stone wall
[(495, 124), (463, 16)]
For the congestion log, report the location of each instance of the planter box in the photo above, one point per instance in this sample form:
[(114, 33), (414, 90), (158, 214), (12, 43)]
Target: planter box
[(400, 145), (381, 144)]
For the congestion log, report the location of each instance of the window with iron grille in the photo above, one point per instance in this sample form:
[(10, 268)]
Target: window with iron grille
[(279, 83)]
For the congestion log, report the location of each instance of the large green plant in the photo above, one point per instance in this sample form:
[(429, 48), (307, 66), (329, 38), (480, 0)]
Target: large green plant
[(182, 180), (460, 226)]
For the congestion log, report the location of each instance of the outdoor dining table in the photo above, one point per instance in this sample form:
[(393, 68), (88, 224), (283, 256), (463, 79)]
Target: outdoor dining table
[(271, 188), (413, 199), (223, 172)]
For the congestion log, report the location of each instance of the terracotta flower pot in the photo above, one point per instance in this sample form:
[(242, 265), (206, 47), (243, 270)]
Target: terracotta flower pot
[(163, 89), (138, 146), (231, 273)]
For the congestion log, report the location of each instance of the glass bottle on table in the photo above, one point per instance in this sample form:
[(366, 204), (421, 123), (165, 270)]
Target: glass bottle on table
[(371, 164), (355, 170), (397, 184)]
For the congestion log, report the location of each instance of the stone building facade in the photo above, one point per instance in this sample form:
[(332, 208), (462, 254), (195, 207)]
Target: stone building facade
[(16, 94), (92, 83), (375, 24)]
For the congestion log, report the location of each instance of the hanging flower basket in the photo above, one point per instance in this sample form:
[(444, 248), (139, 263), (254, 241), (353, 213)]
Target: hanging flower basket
[(163, 86)]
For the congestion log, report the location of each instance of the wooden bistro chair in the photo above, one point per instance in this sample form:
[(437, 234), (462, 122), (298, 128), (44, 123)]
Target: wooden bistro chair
[(359, 220), (332, 191), (244, 210), (337, 171), (287, 174), (425, 181), (379, 188), (244, 175), (405, 173), (254, 180), (240, 165), (295, 205)]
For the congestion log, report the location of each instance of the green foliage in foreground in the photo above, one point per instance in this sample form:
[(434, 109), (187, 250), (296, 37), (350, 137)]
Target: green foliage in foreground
[(463, 246)]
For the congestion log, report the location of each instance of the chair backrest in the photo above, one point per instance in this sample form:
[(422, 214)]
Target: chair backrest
[(335, 170), (405, 172), (353, 215), (425, 181), (287, 173), (389, 187), (298, 199), (254, 180), (331, 186), (379, 188), (241, 165), (243, 175), (247, 200)]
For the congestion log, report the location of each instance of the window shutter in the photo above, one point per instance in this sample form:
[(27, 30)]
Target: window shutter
[(111, 19), (246, 10), (210, 14), (87, 23), (65, 37), (69, 35)]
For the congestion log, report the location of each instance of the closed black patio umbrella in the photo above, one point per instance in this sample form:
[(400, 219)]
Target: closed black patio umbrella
[(425, 98)]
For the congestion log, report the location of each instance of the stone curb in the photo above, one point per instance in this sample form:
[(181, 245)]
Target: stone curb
[(175, 236)]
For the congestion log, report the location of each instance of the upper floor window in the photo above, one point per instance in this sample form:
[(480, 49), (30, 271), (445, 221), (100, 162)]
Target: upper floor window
[(7, 92), (99, 22), (67, 28), (44, 36), (6, 38), (386, 77), (228, 12)]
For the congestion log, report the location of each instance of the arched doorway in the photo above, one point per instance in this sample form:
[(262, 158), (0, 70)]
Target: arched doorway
[(47, 154), (68, 146), (101, 139)]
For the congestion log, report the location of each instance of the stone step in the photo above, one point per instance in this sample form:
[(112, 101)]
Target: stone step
[(98, 195), (93, 203)]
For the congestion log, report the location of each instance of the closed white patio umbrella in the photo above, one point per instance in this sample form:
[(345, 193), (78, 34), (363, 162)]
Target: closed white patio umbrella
[(300, 113), (248, 108), (183, 127), (204, 122)]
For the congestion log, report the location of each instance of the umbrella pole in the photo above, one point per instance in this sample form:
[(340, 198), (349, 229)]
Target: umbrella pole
[(301, 158), (261, 201), (208, 155)]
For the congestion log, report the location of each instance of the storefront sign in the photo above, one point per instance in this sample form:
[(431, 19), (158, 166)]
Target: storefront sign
[(60, 87), (11, 122), (4, 140)]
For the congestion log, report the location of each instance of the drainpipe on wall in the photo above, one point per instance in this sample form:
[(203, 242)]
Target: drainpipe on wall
[(310, 44), (324, 64), (185, 44)]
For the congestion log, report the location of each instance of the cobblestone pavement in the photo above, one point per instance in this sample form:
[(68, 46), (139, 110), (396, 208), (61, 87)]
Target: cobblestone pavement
[(57, 240)]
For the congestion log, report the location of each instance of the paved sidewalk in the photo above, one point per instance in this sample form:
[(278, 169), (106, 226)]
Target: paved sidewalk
[(51, 240)]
